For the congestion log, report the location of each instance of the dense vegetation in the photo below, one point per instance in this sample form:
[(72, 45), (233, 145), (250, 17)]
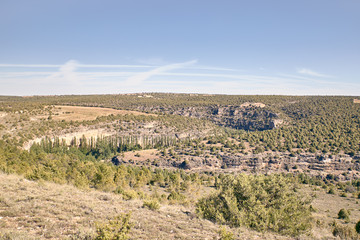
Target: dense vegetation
[(264, 203), (72, 166), (311, 124)]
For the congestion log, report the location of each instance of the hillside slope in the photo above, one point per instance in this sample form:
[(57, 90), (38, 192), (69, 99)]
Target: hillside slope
[(43, 210)]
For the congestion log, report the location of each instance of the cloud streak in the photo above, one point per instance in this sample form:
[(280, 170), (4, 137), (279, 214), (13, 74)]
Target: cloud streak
[(78, 65), (70, 78), (141, 77), (306, 71), (114, 66)]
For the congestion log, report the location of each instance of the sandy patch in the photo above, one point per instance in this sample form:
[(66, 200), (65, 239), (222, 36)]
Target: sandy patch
[(3, 114), (247, 104)]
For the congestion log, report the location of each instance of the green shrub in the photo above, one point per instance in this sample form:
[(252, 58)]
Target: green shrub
[(152, 205), (344, 214), (175, 196), (331, 190), (115, 229), (225, 235), (259, 202), (343, 195), (357, 227), (129, 194)]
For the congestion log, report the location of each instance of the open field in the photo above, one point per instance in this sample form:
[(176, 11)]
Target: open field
[(76, 113)]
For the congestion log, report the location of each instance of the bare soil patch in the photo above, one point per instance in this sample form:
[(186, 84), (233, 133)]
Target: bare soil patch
[(142, 155), (3, 114), (247, 104)]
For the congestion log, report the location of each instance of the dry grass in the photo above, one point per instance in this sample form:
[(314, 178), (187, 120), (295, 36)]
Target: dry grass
[(327, 207), (76, 113), (42, 210)]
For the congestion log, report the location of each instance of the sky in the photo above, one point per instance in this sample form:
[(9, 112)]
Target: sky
[(281, 47)]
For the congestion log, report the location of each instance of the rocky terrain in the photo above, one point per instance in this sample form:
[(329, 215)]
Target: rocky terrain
[(339, 167), (247, 116)]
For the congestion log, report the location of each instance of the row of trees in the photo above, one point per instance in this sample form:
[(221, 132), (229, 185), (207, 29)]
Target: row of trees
[(104, 147)]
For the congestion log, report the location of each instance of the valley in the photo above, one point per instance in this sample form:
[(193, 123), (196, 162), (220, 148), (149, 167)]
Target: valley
[(175, 152)]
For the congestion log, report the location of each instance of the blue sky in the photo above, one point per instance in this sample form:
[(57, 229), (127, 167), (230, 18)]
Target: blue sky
[(308, 47)]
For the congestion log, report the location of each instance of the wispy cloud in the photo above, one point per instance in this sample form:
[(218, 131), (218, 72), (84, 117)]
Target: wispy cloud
[(312, 73), (150, 63), (67, 73), (112, 66), (212, 68), (30, 65), (155, 61), (141, 77), (70, 78), (79, 65)]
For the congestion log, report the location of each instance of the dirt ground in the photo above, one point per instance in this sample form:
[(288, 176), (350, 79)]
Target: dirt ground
[(141, 155)]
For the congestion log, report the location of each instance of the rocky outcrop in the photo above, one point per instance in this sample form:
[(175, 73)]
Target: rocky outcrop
[(248, 116), (275, 123), (309, 163)]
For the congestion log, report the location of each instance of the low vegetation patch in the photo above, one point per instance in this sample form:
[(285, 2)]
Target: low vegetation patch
[(152, 205), (115, 229), (263, 203)]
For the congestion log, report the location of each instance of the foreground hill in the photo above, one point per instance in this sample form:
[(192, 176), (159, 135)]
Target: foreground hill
[(43, 210)]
